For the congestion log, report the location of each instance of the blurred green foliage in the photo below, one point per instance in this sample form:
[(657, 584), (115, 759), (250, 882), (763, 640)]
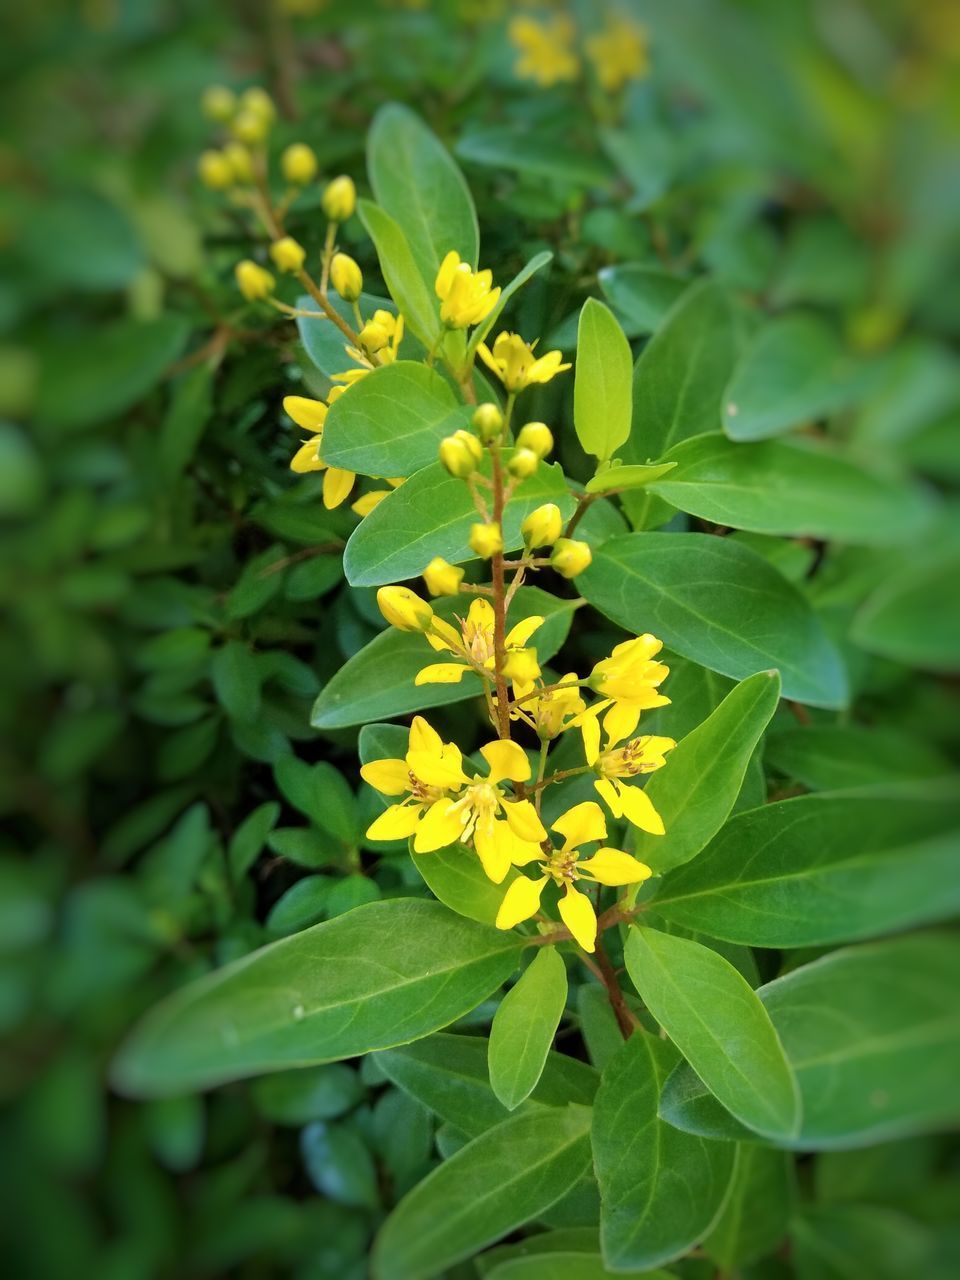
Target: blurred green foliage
[(174, 598)]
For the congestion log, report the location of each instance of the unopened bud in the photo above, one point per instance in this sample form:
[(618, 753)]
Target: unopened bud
[(259, 103), (543, 526), (254, 281), (537, 437), (306, 413), (215, 170), (521, 666), (523, 464), (250, 128), (486, 539), (488, 422), (340, 199), (288, 254), (240, 160), (372, 337), (218, 103), (298, 164), (404, 609), (442, 578), (570, 557), (461, 453), (346, 276)]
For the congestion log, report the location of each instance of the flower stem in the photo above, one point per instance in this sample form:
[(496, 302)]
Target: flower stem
[(499, 601)]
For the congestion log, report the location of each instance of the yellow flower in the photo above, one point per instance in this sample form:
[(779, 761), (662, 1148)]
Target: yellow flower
[(339, 199), (306, 413), (250, 128), (620, 52), (581, 825), (442, 579), (473, 644), (615, 763), (537, 437), (253, 281), (553, 711), (218, 103), (570, 557), (215, 170), (287, 254), (347, 278), (514, 363), (466, 296), (384, 333), (486, 539), (404, 609), (460, 454), (542, 527), (299, 164), (628, 683), (310, 415), (259, 103), (487, 421), (523, 464), (445, 806), (240, 161), (546, 49)]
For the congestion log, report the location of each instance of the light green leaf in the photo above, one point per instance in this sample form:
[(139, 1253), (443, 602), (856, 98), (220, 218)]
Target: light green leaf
[(602, 386), (378, 681), (393, 420), (524, 1026), (719, 604), (793, 371), (827, 757), (719, 1025), (794, 488), (826, 868), (642, 293), (416, 181), (914, 617), (632, 476), (449, 1074), (660, 1189), (431, 515), (408, 289), (380, 975), (756, 1215), (697, 788), (499, 1181)]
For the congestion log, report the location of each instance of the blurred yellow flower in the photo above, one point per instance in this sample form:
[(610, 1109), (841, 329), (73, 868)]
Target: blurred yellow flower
[(619, 53), (546, 49)]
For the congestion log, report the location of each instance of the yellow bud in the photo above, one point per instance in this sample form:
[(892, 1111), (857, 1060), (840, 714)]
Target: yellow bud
[(249, 128), (215, 170), (461, 453), (537, 437), (254, 282), (543, 526), (298, 164), (523, 464), (218, 103), (521, 666), (373, 337), (488, 422), (346, 276), (442, 579), (404, 609), (287, 254), (569, 557), (340, 199), (240, 160), (486, 539), (306, 413), (259, 103)]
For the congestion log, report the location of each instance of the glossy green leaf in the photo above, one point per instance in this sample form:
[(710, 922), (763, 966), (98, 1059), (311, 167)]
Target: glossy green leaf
[(660, 1189), (719, 1025), (450, 1075), (378, 681), (524, 1026), (794, 488), (603, 382), (719, 604), (416, 181), (632, 476), (840, 1242), (431, 515), (697, 788), (559, 1263), (502, 1179), (755, 1217), (236, 681), (911, 618), (456, 877), (828, 757), (642, 293), (826, 868), (407, 287), (383, 974), (392, 422), (793, 371)]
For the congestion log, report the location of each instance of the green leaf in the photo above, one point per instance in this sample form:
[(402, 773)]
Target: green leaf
[(681, 373), (602, 404), (378, 681), (719, 1025), (431, 515), (534, 154), (295, 1098), (632, 476), (756, 1215), (456, 876), (559, 1263), (536, 263), (321, 793), (524, 1026), (339, 1164), (392, 422), (381, 975), (914, 617), (838, 1243), (826, 868), (873, 1034), (827, 757), (326, 345), (794, 488), (793, 371), (499, 1181), (643, 294), (719, 604), (641, 1163), (190, 408), (236, 681), (416, 181), (249, 838), (697, 788), (407, 287)]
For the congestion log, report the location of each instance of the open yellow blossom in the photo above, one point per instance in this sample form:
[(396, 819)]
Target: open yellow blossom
[(514, 362), (619, 53), (466, 296), (473, 644), (582, 825), (443, 805), (628, 684), (546, 49), (615, 764), (310, 415), (553, 710)]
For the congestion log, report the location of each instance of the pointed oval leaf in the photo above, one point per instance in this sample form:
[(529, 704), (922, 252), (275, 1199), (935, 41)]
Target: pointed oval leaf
[(602, 390), (524, 1026), (414, 297)]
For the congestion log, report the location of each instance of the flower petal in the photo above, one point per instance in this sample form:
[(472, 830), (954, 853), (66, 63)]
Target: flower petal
[(390, 777), (581, 824), (609, 793), (441, 673), (518, 636), (396, 823), (576, 912), (442, 768), (506, 760), (638, 809), (480, 615), (423, 737), (337, 484), (494, 846), (524, 821), (520, 902), (439, 827), (613, 866), (620, 721), (590, 728), (443, 637)]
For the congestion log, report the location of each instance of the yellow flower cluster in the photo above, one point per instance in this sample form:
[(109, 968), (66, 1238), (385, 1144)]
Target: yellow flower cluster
[(618, 52)]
